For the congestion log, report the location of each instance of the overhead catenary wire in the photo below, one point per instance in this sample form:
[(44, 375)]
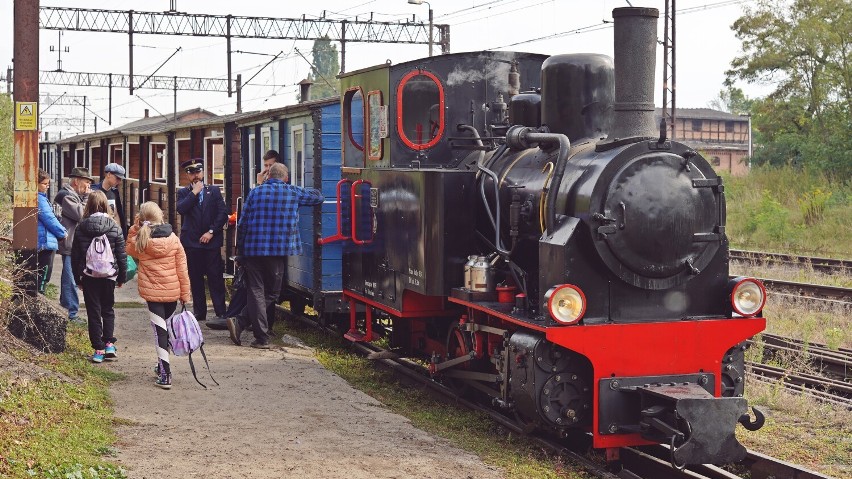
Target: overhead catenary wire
[(608, 24)]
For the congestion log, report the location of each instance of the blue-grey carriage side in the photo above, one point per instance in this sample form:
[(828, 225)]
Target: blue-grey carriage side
[(316, 274), (307, 138)]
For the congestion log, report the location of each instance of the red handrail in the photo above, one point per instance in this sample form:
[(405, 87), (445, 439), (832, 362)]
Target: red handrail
[(339, 235), (355, 196)]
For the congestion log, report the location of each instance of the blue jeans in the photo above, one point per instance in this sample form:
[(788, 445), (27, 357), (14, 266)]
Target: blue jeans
[(68, 290)]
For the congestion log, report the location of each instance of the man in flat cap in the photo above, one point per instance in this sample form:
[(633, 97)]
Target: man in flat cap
[(71, 200), (203, 215), (113, 174)]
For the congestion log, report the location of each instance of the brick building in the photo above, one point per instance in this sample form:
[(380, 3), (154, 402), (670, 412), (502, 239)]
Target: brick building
[(721, 137)]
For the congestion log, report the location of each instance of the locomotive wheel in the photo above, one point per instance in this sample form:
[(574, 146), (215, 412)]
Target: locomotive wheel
[(458, 344)]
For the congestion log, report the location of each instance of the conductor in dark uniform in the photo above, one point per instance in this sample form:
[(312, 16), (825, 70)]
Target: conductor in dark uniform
[(203, 215)]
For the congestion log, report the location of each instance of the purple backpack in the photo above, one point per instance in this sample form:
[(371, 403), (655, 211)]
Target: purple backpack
[(100, 263), (185, 338)]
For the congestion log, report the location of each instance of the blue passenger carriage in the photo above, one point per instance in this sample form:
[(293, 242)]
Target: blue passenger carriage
[(307, 138)]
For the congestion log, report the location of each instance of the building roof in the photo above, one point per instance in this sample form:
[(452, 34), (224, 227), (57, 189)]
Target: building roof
[(142, 126), (701, 114)]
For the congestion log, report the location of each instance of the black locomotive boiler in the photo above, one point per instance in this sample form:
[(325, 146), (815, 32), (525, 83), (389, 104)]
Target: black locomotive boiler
[(550, 249)]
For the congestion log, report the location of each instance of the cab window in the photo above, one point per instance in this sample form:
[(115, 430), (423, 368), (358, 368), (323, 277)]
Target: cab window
[(420, 110), (353, 118)]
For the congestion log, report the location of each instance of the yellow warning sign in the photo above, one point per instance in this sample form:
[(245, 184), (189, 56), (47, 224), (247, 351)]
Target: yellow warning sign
[(26, 115)]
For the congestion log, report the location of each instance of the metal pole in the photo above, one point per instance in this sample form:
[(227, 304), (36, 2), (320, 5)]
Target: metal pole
[(343, 46), (228, 47), (239, 93), (9, 80), (430, 29), (25, 203), (110, 98), (666, 64), (175, 114), (750, 144), (130, 35), (84, 112), (674, 64)]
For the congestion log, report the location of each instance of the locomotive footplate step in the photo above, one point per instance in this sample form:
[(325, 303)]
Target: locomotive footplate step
[(468, 295), (708, 433), (492, 306)]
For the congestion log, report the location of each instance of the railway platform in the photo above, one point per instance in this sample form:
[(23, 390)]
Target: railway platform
[(276, 413)]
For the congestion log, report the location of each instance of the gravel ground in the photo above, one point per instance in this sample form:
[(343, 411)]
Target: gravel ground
[(275, 414)]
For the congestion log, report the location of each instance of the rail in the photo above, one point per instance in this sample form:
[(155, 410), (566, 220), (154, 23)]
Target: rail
[(828, 265)]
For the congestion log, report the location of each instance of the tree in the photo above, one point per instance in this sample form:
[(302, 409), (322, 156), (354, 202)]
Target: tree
[(7, 146), (732, 100), (325, 68), (804, 48)]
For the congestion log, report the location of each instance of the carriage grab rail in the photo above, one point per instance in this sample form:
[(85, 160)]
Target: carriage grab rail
[(340, 234)]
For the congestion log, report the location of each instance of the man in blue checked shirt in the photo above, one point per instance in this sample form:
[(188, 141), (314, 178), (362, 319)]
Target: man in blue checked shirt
[(268, 232)]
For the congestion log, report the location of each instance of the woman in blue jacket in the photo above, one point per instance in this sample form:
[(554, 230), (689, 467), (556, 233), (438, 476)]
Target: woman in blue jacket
[(50, 232)]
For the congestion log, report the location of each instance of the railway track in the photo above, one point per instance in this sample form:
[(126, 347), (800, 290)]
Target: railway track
[(826, 265), (835, 363), (648, 462), (809, 291), (832, 386)]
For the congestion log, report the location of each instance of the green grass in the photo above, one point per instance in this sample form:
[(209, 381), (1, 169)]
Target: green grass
[(789, 211), (517, 456), (800, 430), (55, 427)]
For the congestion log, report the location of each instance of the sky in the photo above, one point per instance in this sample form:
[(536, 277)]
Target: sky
[(705, 47)]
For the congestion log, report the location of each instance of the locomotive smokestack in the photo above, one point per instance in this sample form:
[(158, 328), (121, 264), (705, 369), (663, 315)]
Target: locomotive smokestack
[(635, 57)]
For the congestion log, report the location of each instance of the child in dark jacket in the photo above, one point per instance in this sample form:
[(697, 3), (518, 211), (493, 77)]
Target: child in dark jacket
[(99, 292)]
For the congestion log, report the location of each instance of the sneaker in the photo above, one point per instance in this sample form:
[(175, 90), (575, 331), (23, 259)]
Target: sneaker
[(164, 381), (109, 352), (98, 357), (77, 320), (260, 345), (157, 371), (235, 331)]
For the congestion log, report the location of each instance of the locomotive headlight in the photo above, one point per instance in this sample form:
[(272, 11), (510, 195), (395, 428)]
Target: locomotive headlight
[(748, 296), (566, 303)]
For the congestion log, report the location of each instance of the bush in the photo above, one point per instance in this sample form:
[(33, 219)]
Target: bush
[(813, 204)]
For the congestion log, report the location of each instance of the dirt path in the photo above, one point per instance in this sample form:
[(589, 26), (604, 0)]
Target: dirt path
[(276, 414)]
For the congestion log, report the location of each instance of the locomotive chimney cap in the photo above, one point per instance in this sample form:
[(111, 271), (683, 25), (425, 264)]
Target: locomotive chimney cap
[(635, 12)]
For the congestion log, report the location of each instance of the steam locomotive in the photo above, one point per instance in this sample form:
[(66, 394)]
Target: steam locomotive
[(550, 249)]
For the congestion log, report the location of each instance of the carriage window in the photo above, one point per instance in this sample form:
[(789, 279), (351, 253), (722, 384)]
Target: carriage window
[(420, 110), (297, 156), (158, 161), (378, 124)]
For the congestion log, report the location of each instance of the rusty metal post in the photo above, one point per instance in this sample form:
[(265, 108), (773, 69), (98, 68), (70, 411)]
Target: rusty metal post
[(25, 203)]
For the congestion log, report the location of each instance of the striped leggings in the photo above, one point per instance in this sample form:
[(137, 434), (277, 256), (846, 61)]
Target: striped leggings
[(159, 314)]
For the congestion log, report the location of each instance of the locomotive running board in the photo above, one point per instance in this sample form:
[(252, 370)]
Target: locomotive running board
[(708, 435)]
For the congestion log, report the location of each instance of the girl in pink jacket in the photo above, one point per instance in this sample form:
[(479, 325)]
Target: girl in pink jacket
[(163, 277)]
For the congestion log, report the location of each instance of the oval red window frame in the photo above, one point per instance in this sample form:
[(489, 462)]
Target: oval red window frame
[(399, 129)]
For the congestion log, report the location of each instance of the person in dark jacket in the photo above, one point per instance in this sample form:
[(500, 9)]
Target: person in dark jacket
[(113, 175), (71, 200), (99, 292), (268, 232), (50, 232), (203, 215)]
